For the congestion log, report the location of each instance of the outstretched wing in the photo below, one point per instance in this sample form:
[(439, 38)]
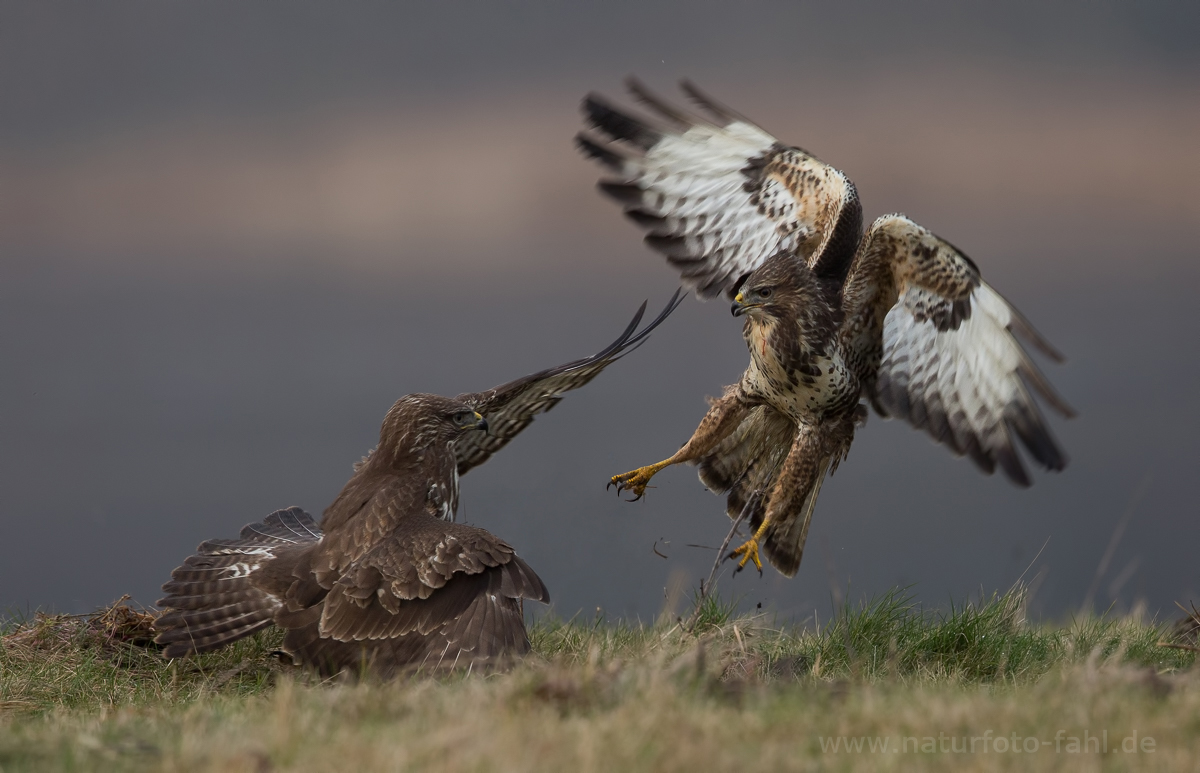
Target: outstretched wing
[(949, 362), (719, 196), (419, 580), (510, 408)]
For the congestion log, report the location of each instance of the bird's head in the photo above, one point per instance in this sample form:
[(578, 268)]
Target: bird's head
[(418, 420), (773, 289)]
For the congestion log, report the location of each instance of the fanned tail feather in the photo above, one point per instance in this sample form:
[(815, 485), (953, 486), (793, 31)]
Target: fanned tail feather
[(212, 600), (746, 466), (783, 544)]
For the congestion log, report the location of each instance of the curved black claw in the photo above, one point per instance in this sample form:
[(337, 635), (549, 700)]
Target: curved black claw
[(620, 484), (621, 488), (740, 567), (629, 481), (636, 497)]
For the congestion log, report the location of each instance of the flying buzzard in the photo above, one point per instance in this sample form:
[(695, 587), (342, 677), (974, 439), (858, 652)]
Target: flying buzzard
[(387, 582), (896, 316)]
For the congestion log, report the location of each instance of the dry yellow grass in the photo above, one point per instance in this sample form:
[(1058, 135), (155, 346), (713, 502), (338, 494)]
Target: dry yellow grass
[(615, 697)]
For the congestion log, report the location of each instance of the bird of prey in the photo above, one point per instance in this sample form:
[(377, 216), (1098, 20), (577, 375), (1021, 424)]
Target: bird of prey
[(387, 582), (895, 316)]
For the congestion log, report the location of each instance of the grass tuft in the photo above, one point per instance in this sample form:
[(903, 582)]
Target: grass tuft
[(93, 693), (713, 612), (93, 662)]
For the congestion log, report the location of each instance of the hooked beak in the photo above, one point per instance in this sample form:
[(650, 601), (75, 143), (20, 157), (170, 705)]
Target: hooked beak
[(737, 309), (481, 423)]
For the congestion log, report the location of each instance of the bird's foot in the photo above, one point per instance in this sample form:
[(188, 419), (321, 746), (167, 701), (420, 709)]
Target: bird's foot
[(748, 552), (634, 481)]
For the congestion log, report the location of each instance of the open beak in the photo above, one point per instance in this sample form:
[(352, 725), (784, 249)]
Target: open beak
[(737, 309)]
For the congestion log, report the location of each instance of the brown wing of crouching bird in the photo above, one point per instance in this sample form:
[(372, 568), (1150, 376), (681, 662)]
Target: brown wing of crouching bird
[(387, 583)]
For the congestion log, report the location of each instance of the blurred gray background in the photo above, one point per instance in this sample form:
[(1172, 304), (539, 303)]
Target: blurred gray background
[(233, 233)]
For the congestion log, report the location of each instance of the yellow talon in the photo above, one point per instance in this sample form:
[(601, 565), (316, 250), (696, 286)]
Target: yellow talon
[(748, 552), (635, 481)]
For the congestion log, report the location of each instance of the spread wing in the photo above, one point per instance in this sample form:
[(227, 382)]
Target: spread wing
[(422, 579), (510, 408), (718, 196), (939, 348), (393, 570)]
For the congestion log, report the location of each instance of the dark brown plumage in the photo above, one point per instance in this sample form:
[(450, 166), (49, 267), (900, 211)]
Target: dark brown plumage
[(387, 582), (896, 316)]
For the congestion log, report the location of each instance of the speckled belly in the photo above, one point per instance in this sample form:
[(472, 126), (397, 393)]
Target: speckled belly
[(826, 387)]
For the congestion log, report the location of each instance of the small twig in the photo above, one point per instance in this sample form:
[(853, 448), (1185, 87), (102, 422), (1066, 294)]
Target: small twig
[(224, 677), (1175, 646), (1031, 563), (1193, 613), (1118, 532), (706, 586)]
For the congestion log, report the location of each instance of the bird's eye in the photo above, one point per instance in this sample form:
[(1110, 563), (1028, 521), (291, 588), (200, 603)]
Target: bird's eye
[(464, 417), (765, 292)]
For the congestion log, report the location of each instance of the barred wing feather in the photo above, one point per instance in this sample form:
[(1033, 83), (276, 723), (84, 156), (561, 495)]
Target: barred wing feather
[(951, 363), (718, 196), (510, 408)]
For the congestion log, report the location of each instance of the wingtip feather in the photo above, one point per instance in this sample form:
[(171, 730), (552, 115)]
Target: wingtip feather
[(1022, 327), (619, 125), (601, 153), (718, 110), (659, 105)]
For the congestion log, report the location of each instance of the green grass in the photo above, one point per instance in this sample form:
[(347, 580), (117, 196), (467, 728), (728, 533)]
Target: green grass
[(85, 694), (57, 663)]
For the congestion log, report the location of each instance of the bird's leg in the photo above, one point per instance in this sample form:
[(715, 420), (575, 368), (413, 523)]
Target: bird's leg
[(749, 549), (790, 504), (722, 418), (636, 480)]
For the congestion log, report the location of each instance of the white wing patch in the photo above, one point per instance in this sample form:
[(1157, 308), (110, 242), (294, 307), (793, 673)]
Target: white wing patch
[(717, 199), (967, 386), (694, 183), (240, 570)]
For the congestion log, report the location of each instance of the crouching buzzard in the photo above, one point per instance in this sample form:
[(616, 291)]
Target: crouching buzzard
[(387, 582), (896, 316)]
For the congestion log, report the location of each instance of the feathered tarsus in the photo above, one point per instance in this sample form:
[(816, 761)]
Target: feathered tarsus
[(387, 582), (895, 315)]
